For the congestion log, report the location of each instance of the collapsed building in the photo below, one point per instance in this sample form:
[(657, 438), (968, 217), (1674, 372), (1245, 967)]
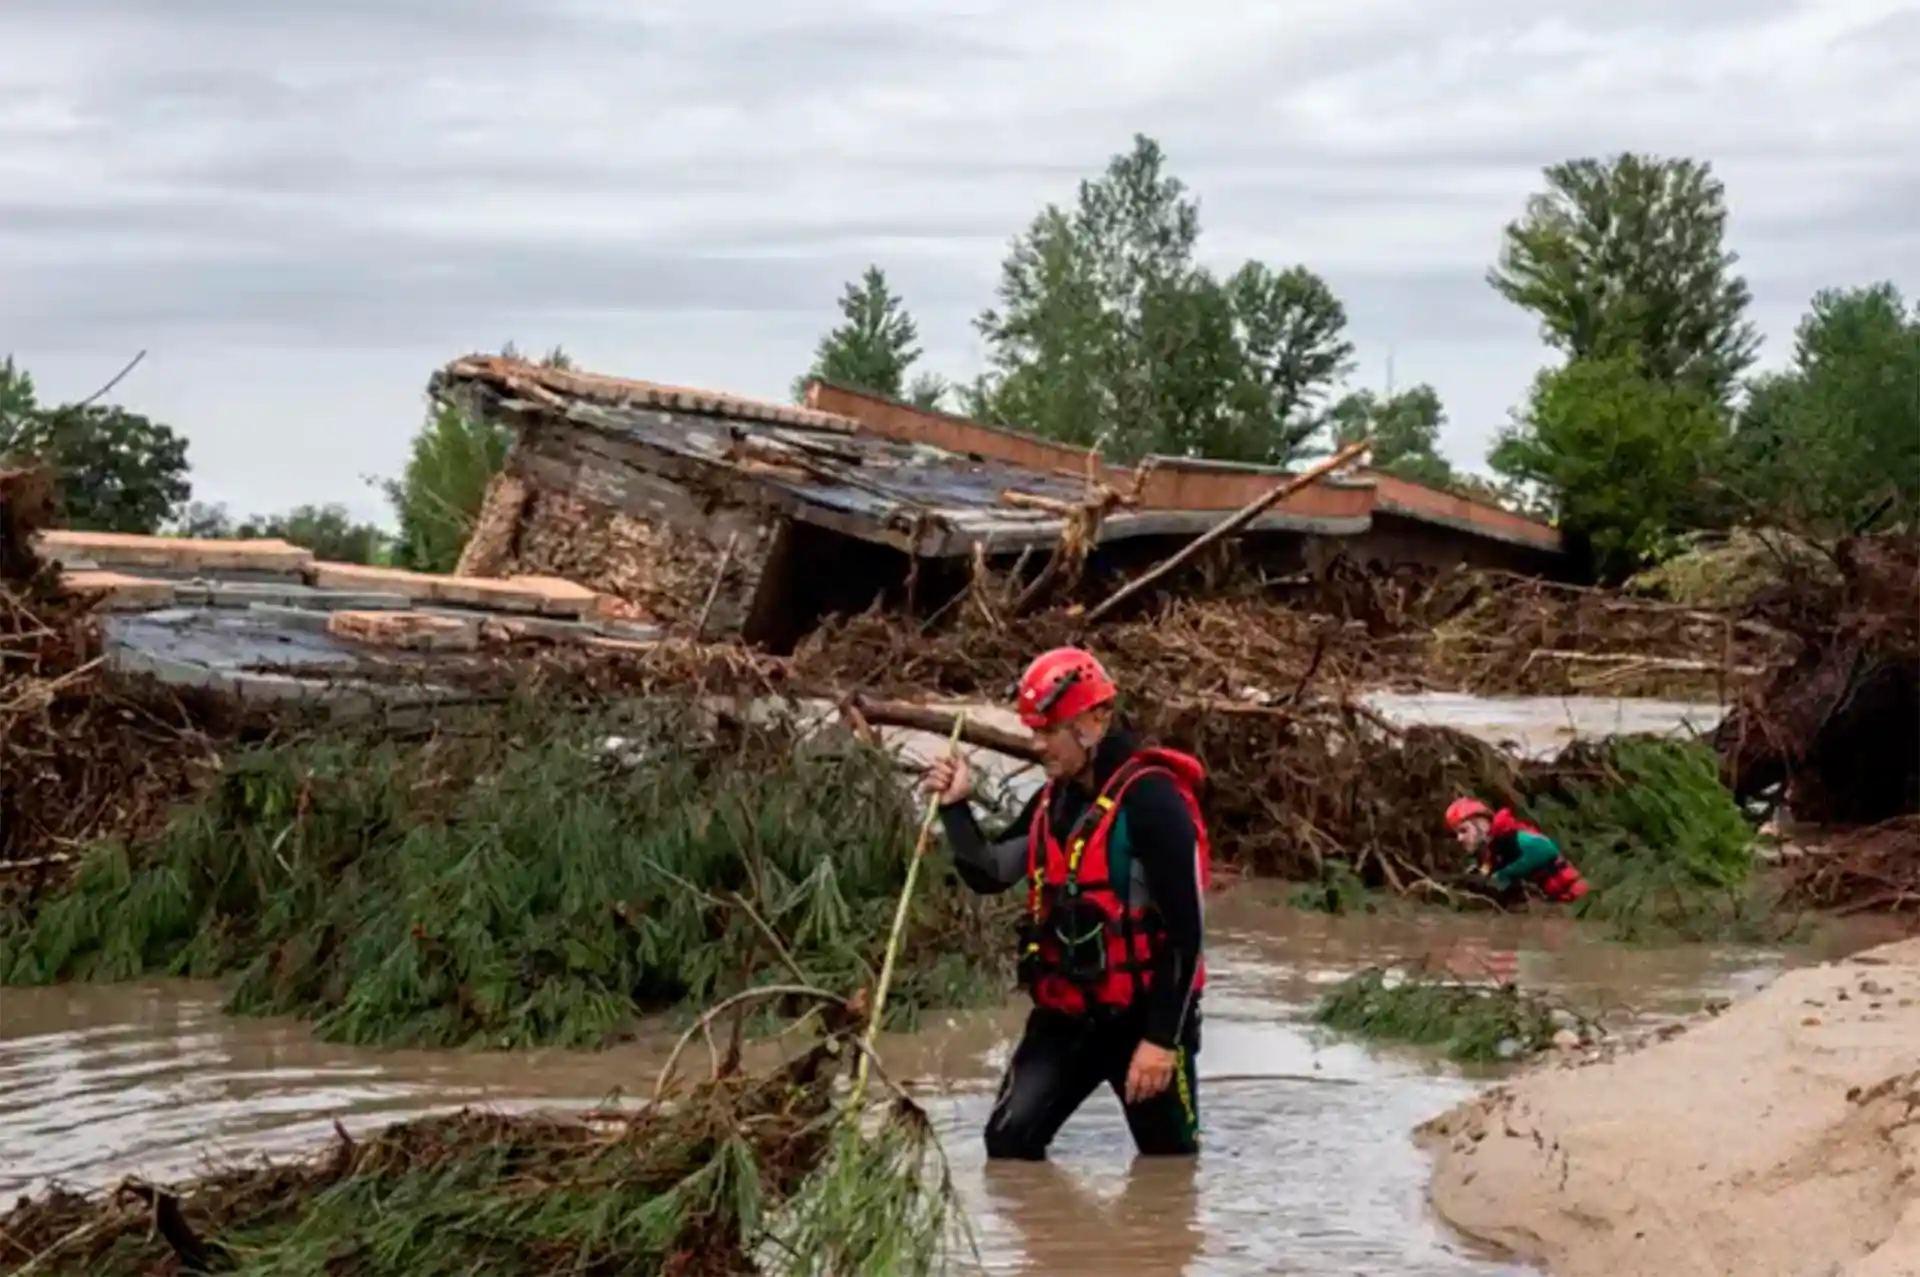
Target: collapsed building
[(732, 517)]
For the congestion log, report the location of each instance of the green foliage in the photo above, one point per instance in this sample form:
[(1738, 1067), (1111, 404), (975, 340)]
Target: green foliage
[(1470, 1023), (509, 883), (119, 471), (930, 391), (1820, 444), (330, 531), (18, 398), (1661, 841), (1406, 432), (1626, 258), (1108, 332), (1624, 458), (438, 496), (873, 347), (880, 1203), (727, 1180)]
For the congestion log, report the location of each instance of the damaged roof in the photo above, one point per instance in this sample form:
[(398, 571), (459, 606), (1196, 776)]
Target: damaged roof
[(595, 436), (265, 620)]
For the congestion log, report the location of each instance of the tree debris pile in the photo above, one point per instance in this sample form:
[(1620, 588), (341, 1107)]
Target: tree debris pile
[(1484, 632), (744, 1175), (1726, 571), (519, 874), (1310, 794), (1331, 793), (82, 755), (1834, 732), (1872, 868), (1471, 1023), (1498, 634)]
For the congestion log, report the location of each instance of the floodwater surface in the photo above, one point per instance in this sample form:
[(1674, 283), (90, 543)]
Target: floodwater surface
[(1309, 1166)]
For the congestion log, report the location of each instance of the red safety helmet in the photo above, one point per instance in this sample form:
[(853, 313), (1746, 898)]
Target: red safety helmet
[(1061, 684), (1461, 810)]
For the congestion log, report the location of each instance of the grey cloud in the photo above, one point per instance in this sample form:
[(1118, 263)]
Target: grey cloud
[(402, 173), (352, 293)]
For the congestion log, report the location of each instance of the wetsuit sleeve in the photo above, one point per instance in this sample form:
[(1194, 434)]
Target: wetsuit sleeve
[(1162, 837), (1536, 852), (987, 865)]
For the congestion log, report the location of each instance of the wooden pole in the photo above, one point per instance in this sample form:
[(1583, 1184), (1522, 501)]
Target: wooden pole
[(1227, 527)]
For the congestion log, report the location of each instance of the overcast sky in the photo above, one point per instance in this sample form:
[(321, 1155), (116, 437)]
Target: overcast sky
[(301, 209)]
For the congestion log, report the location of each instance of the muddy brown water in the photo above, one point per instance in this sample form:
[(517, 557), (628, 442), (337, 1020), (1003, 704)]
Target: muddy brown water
[(1309, 1165)]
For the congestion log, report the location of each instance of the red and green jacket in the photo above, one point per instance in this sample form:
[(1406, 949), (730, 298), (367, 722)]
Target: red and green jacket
[(1521, 853)]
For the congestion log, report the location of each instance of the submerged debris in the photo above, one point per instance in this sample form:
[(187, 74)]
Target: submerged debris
[(1470, 1023), (744, 1175)]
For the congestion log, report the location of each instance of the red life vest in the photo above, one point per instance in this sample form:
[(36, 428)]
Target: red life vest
[(1560, 881), (1131, 936)]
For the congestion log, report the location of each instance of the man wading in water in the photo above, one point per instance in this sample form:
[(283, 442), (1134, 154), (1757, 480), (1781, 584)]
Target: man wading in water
[(1115, 859)]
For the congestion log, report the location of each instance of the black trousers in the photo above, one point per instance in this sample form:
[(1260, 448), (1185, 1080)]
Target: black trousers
[(1062, 1059)]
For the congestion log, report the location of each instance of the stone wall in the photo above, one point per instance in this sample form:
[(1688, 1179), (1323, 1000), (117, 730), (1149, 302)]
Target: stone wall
[(662, 572)]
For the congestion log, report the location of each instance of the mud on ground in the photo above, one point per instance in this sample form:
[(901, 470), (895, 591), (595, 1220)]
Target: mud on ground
[(1776, 1139)]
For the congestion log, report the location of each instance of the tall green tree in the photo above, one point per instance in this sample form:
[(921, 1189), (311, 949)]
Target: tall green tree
[(1405, 427), (119, 471), (1629, 255), (1107, 332), (1290, 336), (1624, 458), (1822, 443), (873, 346)]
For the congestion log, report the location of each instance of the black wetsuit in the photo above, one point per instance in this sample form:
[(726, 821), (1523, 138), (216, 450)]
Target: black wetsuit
[(1062, 1058)]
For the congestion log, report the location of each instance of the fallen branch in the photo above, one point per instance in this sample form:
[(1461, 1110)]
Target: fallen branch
[(1639, 662), (1232, 524), (931, 718)]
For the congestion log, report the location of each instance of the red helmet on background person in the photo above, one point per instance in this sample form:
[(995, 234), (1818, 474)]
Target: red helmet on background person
[(1062, 684), (1461, 810)]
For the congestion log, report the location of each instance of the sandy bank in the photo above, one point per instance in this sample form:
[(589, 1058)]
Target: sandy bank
[(1780, 1137)]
